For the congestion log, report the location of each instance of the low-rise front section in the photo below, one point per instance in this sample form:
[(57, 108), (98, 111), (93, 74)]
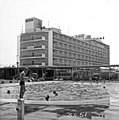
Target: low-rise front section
[(40, 46)]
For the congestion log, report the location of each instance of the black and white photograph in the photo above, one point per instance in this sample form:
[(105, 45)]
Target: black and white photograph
[(59, 59)]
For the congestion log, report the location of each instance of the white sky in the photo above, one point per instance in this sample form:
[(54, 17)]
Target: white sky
[(92, 17)]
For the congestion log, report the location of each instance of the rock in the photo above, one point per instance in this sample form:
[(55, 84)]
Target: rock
[(47, 98), (8, 91)]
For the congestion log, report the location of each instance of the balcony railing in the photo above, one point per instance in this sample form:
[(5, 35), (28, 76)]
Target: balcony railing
[(32, 39), (33, 47), (32, 57)]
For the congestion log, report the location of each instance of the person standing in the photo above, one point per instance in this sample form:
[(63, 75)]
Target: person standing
[(22, 82)]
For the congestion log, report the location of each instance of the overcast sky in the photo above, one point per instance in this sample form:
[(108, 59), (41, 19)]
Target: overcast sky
[(92, 17)]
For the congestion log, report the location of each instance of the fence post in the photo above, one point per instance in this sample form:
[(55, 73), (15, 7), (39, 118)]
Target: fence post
[(20, 109)]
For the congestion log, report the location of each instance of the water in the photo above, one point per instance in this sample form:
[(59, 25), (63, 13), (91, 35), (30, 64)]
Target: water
[(69, 91)]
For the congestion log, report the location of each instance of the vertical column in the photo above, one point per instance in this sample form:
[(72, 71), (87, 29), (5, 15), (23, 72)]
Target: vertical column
[(50, 48), (18, 50), (109, 73), (118, 73), (72, 73), (20, 109)]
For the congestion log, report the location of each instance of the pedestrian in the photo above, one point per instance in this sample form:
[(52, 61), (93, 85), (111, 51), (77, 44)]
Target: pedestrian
[(22, 82), (43, 76), (104, 81)]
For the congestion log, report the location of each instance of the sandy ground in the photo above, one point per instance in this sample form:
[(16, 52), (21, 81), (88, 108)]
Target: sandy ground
[(56, 112)]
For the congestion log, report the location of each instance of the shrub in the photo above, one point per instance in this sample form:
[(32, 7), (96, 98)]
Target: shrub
[(2, 82), (10, 81)]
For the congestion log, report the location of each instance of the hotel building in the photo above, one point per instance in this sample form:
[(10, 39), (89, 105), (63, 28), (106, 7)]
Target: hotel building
[(40, 46)]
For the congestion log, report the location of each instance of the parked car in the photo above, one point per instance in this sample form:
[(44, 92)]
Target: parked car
[(96, 76)]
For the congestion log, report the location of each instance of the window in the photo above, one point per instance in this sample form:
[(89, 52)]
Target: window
[(70, 47), (38, 37), (24, 48), (65, 53), (78, 62), (55, 43), (32, 53), (70, 62), (78, 48), (61, 61), (65, 46), (32, 37), (65, 61), (29, 20), (55, 60), (86, 57), (74, 48), (61, 44), (39, 46), (78, 55), (32, 62), (40, 55), (70, 55), (82, 56), (60, 52), (55, 52), (74, 55)]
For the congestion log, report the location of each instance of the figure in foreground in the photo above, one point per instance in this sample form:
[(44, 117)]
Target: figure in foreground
[(22, 82)]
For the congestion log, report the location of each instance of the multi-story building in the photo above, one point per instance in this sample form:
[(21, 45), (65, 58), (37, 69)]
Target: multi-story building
[(40, 46)]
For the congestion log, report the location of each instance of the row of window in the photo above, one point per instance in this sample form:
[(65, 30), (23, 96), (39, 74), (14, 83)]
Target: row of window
[(32, 55), (78, 48), (33, 47), (94, 42), (71, 62), (83, 51), (86, 44), (33, 63), (31, 38), (29, 20), (78, 56)]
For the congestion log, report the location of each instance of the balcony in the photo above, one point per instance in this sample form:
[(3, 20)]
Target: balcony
[(33, 57), (33, 47), (32, 39), (34, 65)]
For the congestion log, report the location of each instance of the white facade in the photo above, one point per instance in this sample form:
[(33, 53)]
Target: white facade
[(50, 48), (18, 50), (32, 24)]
